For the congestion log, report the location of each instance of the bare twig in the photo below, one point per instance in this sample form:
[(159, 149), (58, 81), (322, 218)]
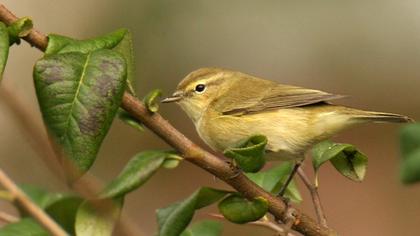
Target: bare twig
[(8, 218), (37, 213), (263, 222), (313, 190), (192, 152)]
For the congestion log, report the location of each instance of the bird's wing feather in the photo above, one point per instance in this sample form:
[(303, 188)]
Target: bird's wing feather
[(275, 96)]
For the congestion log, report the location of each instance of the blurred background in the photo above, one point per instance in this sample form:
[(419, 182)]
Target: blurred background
[(367, 49)]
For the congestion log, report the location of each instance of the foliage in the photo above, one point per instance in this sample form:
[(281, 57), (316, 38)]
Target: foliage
[(410, 151), (249, 155), (349, 161)]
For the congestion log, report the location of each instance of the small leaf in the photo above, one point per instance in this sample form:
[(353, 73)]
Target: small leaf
[(240, 210), (173, 219), (4, 48), (271, 180), (24, 227), (97, 217), (151, 100), (130, 120), (63, 44), (172, 161), (18, 29), (249, 155), (409, 139), (345, 158), (410, 152), (410, 168), (64, 211), (79, 95), (204, 228), (137, 171)]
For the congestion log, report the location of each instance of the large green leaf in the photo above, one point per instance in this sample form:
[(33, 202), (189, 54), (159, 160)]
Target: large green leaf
[(173, 219), (119, 41), (79, 95), (4, 47), (272, 180), (410, 151), (97, 217), (249, 156), (204, 228), (240, 210), (137, 171), (349, 161), (24, 227)]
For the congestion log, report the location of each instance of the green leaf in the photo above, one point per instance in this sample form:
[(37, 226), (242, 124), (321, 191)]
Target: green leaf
[(345, 158), (24, 227), (4, 48), (97, 217), (61, 207), (125, 47), (249, 155), (151, 100), (240, 210), (63, 44), (79, 95), (40, 197), (137, 171), (173, 219), (172, 161), (18, 29), (409, 139), (204, 228), (273, 179), (410, 168), (64, 211), (410, 151), (130, 120)]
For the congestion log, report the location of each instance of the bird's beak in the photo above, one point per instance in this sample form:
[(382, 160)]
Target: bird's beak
[(173, 98)]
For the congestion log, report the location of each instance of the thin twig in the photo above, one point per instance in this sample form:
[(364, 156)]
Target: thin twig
[(263, 222), (313, 190), (8, 218), (192, 152), (37, 213)]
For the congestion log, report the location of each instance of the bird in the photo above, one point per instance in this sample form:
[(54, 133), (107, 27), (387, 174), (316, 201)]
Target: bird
[(227, 107)]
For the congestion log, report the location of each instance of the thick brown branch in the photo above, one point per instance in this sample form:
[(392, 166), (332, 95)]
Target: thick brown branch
[(192, 152), (315, 197)]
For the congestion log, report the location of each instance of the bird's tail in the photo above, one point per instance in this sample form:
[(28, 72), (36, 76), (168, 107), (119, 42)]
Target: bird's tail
[(382, 117)]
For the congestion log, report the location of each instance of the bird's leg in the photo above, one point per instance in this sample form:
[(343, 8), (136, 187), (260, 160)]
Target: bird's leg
[(289, 179)]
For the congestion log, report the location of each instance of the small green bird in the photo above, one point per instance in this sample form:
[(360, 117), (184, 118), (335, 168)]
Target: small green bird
[(228, 107)]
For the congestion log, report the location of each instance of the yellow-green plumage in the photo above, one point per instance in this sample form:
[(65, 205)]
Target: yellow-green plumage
[(235, 106)]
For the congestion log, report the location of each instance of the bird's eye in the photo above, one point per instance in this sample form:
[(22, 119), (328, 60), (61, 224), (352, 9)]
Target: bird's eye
[(200, 88)]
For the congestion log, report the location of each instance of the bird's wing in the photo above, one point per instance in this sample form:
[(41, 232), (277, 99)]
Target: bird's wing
[(276, 96)]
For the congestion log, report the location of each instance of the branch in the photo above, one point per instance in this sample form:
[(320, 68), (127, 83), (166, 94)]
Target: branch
[(313, 190), (7, 218), (37, 213), (192, 152)]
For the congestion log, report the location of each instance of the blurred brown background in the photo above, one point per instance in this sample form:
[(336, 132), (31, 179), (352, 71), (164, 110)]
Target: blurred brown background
[(367, 49)]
